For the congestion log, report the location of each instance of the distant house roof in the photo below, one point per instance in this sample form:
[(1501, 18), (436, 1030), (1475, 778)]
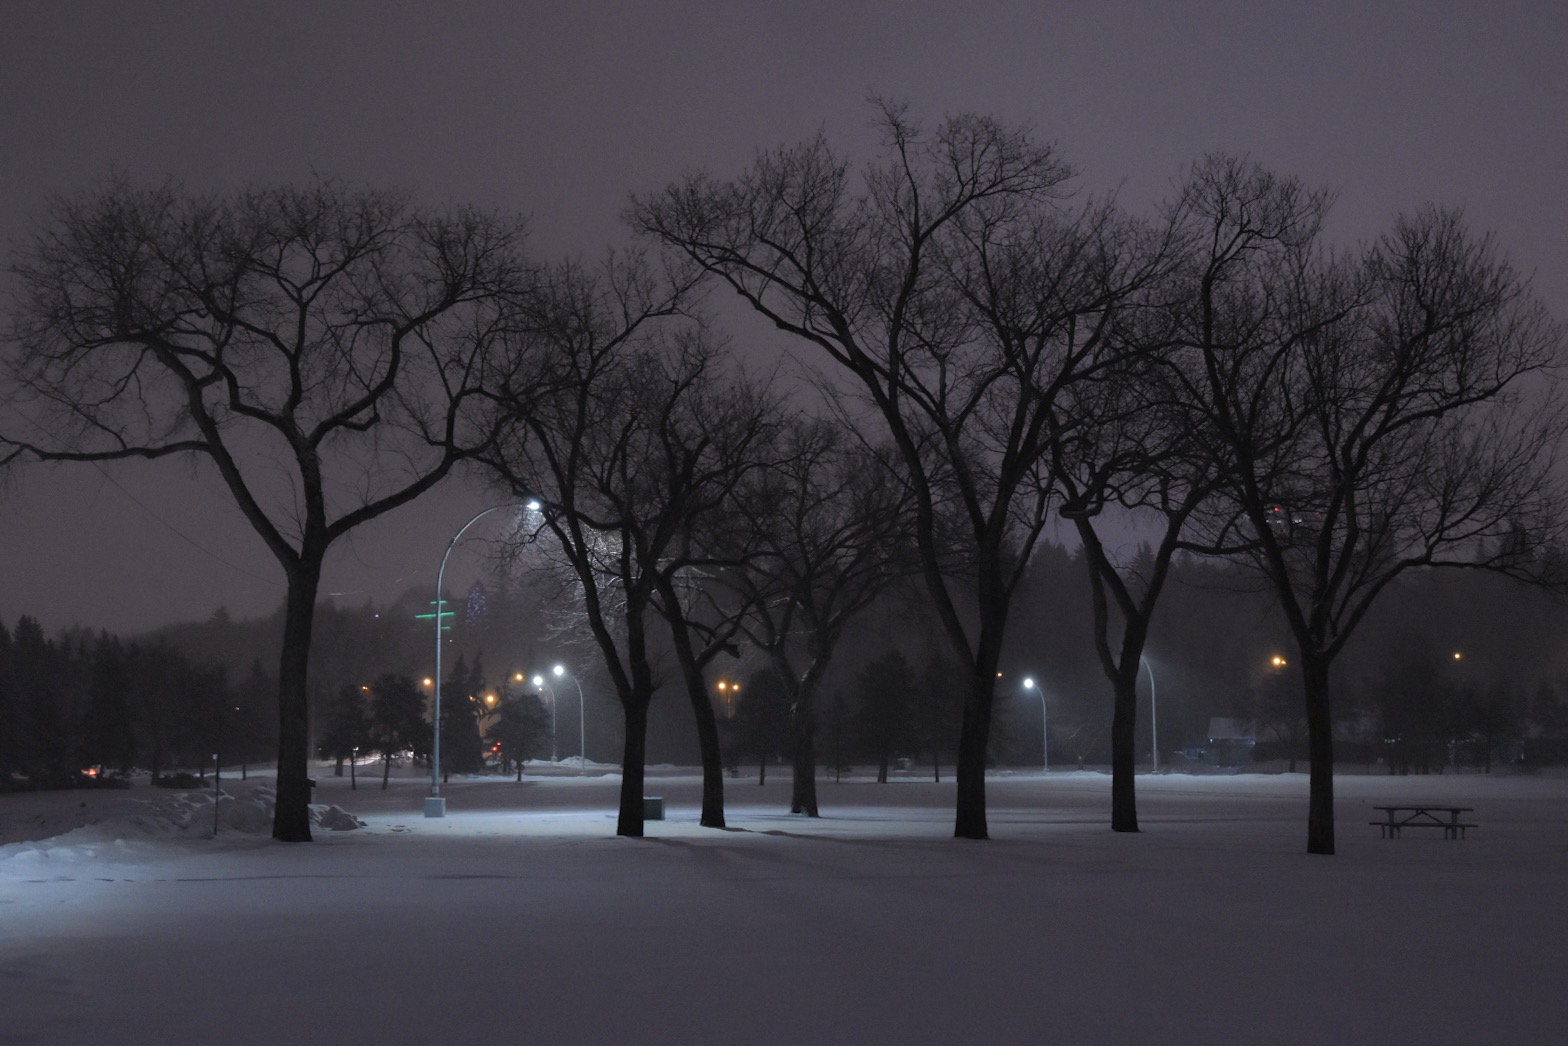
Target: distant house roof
[(1223, 729)]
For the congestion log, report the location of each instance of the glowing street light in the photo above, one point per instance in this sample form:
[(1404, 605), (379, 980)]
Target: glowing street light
[(542, 685), (1278, 662), (729, 694), (435, 802), (582, 744), (1045, 733)]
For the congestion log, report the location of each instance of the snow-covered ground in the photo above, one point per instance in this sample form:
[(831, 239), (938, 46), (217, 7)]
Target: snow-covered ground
[(521, 917)]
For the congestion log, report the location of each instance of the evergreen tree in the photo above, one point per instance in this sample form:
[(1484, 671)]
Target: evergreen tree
[(10, 727), (108, 740), (938, 709), (522, 729), (1546, 710), (44, 744), (347, 727), (397, 720), (461, 706), (762, 720), (253, 729), (885, 721)]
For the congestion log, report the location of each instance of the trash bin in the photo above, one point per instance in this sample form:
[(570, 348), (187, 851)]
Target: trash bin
[(653, 808)]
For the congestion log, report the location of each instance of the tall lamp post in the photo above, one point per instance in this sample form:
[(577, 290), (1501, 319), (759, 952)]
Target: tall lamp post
[(542, 685), (1154, 717), (582, 744), (435, 802), (1045, 732)]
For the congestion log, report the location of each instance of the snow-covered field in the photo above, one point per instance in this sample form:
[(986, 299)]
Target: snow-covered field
[(521, 917)]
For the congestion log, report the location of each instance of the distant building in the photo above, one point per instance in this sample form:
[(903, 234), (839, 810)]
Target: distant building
[(1231, 742)]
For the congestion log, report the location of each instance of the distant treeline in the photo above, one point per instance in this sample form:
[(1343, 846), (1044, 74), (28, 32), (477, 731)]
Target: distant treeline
[(85, 708), (90, 701)]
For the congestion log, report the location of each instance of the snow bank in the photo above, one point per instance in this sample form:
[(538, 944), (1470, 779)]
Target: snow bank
[(81, 832)]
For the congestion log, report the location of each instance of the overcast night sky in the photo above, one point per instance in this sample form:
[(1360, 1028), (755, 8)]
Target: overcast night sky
[(560, 109)]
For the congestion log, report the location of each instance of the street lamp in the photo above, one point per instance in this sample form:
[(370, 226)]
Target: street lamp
[(582, 745), (542, 685), (435, 802), (729, 694), (1045, 733), (1154, 720)]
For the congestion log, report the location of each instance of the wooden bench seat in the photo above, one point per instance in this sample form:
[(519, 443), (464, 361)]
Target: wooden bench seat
[(1450, 829), (1397, 818)]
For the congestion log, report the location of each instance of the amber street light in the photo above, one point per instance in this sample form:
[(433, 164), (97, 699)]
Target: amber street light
[(1278, 662)]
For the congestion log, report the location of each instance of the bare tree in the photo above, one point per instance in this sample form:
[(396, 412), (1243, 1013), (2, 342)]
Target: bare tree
[(1135, 452), (715, 446), (315, 344), (633, 450), (828, 528), (960, 300), (1379, 413)]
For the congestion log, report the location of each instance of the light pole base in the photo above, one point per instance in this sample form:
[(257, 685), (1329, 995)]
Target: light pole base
[(435, 806)]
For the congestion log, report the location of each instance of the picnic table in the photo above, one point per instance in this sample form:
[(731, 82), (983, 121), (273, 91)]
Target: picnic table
[(1398, 818)]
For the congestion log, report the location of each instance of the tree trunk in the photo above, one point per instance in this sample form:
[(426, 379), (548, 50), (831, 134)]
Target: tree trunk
[(970, 818), (933, 720), (633, 770), (803, 789), (702, 709), (291, 815), (386, 770), (1124, 719), (762, 770), (1121, 669), (1320, 748), (712, 758)]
